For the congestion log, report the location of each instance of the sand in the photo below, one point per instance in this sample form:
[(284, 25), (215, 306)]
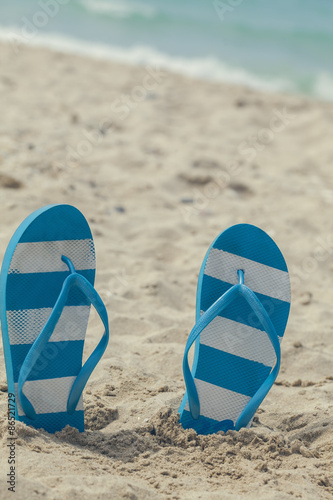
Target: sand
[(160, 164)]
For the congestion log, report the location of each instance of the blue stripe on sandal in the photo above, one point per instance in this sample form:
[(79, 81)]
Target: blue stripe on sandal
[(56, 421), (27, 291), (239, 241), (243, 302), (239, 311), (48, 365), (46, 287), (209, 370)]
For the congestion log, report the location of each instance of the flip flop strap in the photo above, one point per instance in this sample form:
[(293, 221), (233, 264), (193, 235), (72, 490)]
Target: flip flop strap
[(72, 281), (214, 310)]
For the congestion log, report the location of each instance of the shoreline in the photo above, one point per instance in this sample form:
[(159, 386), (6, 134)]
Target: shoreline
[(209, 69)]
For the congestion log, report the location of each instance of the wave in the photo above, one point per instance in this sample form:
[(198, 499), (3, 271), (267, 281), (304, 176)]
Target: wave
[(119, 9), (206, 68), (323, 86)]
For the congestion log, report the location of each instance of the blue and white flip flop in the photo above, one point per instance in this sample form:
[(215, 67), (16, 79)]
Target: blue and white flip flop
[(243, 302), (46, 290)]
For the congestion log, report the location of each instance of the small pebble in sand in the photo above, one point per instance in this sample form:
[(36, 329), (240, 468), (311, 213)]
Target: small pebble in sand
[(241, 102), (196, 179), (240, 188), (6, 181), (74, 118), (305, 298), (120, 209), (164, 388)]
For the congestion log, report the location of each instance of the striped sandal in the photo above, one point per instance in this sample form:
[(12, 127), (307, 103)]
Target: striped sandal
[(243, 302), (46, 289)]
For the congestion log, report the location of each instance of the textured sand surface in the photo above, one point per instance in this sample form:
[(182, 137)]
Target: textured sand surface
[(160, 165)]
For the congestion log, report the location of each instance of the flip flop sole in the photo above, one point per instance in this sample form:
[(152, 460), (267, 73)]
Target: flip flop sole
[(233, 355), (31, 279)]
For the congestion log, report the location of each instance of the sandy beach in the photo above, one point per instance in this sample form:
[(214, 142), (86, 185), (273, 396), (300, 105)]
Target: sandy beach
[(160, 164)]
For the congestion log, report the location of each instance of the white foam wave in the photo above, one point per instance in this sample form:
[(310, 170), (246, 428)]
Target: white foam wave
[(119, 9), (208, 68), (323, 86)]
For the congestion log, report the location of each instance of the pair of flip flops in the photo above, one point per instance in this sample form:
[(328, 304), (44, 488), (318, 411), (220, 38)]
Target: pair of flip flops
[(46, 292)]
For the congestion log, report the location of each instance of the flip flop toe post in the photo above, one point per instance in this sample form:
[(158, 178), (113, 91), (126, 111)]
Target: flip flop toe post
[(243, 302), (47, 289)]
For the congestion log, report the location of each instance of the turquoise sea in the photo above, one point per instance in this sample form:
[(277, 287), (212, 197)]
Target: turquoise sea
[(284, 45)]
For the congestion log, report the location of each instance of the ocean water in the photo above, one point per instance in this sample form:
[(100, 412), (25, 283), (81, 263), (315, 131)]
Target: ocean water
[(284, 45)]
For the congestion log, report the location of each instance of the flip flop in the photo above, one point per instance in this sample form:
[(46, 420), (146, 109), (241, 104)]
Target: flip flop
[(243, 302), (46, 289)]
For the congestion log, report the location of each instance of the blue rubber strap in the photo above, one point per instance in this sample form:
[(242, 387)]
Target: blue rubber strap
[(256, 400), (204, 320), (214, 310), (96, 355), (73, 280)]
